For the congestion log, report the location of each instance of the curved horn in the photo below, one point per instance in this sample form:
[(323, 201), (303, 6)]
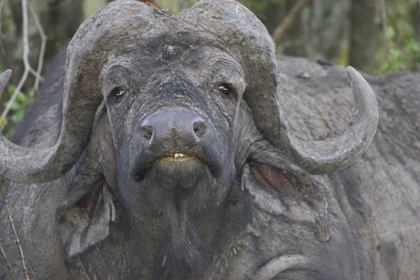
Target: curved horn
[(4, 79), (319, 157), (236, 29), (121, 22)]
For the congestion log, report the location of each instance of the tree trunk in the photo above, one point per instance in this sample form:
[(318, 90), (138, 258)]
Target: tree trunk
[(365, 34), (326, 30)]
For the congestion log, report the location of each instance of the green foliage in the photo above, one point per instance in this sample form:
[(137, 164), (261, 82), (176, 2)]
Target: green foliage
[(5, 19), (259, 6), (400, 58), (401, 47), (18, 108)]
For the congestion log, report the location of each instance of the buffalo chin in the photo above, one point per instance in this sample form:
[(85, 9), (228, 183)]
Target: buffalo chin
[(186, 186)]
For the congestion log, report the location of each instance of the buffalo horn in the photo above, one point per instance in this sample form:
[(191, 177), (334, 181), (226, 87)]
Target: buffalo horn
[(4, 78), (89, 50), (237, 29), (319, 157)]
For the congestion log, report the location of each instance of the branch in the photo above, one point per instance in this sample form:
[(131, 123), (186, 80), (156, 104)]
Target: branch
[(25, 58), (289, 20), (1, 8), (9, 104), (384, 20), (9, 266), (43, 44), (2, 50), (16, 238), (84, 269)]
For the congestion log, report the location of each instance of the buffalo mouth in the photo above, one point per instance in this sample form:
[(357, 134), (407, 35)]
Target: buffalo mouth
[(176, 163)]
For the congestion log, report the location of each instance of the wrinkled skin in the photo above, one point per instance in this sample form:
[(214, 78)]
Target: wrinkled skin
[(48, 262), (379, 193), (234, 206), (307, 87)]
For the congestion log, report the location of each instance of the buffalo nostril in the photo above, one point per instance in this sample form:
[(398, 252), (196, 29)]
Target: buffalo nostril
[(147, 131), (199, 128)]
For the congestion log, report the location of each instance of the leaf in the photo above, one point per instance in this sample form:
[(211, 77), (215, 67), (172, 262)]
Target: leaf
[(20, 97), (15, 106), (18, 115), (390, 32), (31, 94), (12, 88)]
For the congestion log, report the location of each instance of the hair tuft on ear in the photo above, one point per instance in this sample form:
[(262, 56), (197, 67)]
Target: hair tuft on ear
[(280, 188), (87, 222)]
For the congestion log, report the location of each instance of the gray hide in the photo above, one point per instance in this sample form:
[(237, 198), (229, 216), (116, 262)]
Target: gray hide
[(378, 194), (369, 208)]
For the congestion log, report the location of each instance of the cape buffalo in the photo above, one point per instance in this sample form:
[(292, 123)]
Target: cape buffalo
[(161, 150), (379, 194)]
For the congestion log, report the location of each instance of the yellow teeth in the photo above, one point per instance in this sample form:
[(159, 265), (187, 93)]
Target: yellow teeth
[(178, 157)]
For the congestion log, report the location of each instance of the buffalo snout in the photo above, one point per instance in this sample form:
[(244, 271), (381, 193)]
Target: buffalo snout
[(177, 141), (176, 125)]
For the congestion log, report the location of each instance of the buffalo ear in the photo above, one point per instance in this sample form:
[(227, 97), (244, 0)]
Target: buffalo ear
[(86, 222), (279, 187), (85, 216)]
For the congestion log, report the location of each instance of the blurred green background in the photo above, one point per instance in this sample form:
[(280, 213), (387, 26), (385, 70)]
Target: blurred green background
[(374, 36)]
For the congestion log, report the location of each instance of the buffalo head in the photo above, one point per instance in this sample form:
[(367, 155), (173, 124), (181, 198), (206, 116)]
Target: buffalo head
[(189, 106)]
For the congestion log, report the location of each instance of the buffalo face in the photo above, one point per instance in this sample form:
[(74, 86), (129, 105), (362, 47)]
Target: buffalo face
[(173, 109)]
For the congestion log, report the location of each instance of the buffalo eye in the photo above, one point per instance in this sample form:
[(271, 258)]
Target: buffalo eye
[(226, 89), (118, 93)]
